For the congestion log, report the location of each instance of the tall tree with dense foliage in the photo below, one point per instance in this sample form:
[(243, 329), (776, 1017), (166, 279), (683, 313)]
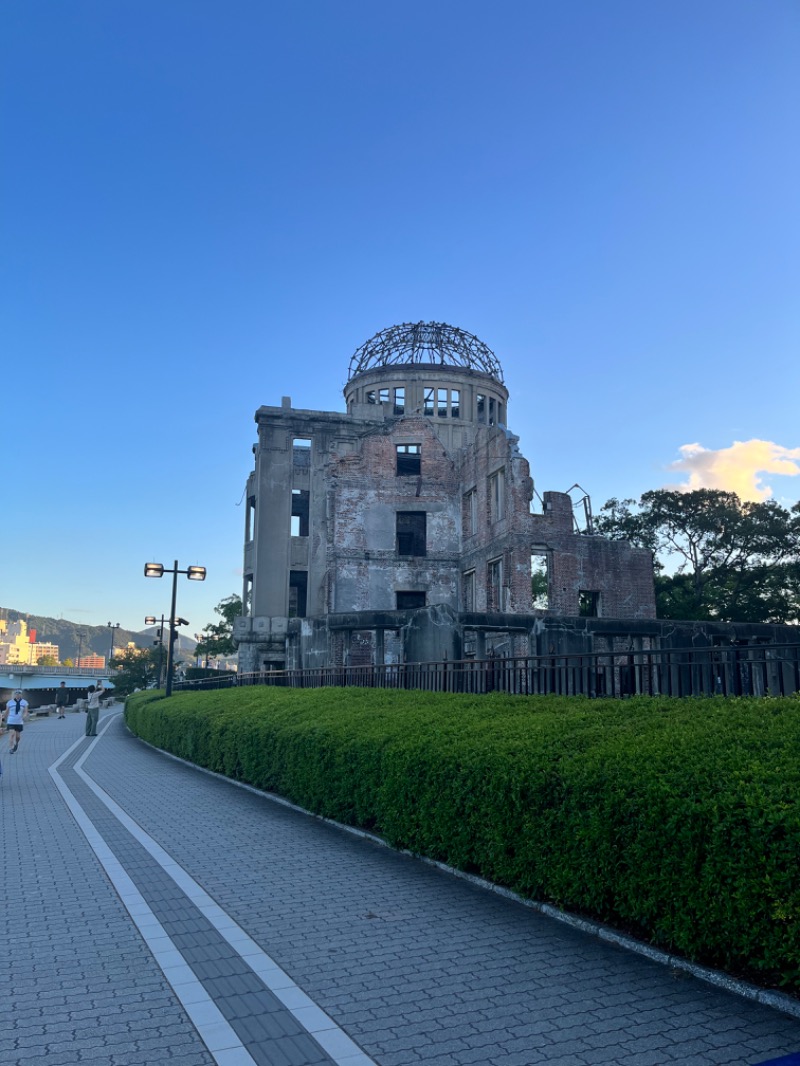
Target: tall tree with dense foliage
[(716, 557), (216, 640), (134, 668)]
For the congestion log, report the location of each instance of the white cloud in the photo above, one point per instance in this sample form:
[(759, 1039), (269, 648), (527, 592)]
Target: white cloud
[(739, 468)]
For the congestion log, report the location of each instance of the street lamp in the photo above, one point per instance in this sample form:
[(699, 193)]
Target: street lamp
[(193, 573), (111, 653)]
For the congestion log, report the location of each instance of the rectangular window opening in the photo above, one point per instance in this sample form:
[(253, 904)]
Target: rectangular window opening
[(455, 404), (497, 493), (300, 498), (298, 593), (494, 585), (429, 396), (411, 533), (399, 401), (468, 589), (371, 396), (409, 459), (470, 513), (301, 452), (410, 601), (540, 597), (481, 406), (588, 603), (441, 403), (383, 395), (492, 419)]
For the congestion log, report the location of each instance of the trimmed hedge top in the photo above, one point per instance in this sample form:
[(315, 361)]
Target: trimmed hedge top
[(678, 820)]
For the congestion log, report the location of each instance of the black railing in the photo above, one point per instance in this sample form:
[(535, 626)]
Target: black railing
[(734, 670)]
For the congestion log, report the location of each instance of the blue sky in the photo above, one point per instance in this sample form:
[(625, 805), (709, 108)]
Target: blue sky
[(207, 206)]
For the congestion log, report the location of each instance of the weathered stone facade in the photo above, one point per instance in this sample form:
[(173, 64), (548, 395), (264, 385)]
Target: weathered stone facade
[(414, 504)]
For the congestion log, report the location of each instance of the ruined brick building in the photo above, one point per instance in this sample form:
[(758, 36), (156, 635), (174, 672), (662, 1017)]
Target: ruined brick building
[(403, 529)]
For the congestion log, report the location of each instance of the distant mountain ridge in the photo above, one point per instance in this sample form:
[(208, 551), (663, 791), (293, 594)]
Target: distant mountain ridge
[(72, 636)]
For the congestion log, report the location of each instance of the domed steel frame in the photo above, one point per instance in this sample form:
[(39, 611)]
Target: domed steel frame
[(425, 342)]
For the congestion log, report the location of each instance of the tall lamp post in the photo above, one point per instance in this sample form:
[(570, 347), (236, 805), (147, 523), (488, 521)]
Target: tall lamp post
[(193, 573), (111, 653), (80, 648)]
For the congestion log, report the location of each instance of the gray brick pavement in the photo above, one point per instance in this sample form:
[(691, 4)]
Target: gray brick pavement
[(268, 1032), (415, 965), (79, 985)]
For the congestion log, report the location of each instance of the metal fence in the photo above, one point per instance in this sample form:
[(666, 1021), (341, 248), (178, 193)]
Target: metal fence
[(733, 670)]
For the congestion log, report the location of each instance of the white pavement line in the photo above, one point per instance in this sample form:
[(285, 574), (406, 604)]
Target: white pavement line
[(212, 1027), (341, 1048), (779, 1001)]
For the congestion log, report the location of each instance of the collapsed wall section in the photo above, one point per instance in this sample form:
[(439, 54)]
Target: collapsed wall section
[(589, 575)]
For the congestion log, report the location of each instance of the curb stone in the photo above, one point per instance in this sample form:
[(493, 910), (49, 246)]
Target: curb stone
[(779, 1001)]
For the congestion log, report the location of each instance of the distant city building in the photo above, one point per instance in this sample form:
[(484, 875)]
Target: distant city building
[(9, 654), (92, 662), (43, 650), (15, 645), (18, 645)]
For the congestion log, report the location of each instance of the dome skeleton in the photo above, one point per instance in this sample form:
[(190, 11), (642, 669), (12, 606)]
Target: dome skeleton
[(417, 343)]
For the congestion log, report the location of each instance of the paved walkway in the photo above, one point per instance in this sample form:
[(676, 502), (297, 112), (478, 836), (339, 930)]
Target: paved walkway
[(158, 915)]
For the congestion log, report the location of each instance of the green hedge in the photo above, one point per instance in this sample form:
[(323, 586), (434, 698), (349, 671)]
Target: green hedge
[(677, 820)]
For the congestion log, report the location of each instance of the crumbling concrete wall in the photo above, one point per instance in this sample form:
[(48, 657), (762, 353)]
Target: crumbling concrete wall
[(472, 495), (620, 575), (365, 497)]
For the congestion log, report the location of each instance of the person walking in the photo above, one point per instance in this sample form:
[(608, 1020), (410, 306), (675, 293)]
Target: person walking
[(14, 717), (62, 699), (93, 709)]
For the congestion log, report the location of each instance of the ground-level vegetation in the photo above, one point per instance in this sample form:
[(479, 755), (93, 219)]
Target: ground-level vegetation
[(675, 820)]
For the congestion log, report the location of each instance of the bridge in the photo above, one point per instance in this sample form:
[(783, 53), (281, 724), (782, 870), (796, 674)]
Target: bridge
[(39, 683)]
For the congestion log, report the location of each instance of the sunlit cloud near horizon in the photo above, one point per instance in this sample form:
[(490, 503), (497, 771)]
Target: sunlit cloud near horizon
[(740, 468)]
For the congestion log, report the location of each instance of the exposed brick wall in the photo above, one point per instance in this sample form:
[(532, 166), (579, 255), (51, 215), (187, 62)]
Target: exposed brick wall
[(351, 553), (367, 494), (620, 573)]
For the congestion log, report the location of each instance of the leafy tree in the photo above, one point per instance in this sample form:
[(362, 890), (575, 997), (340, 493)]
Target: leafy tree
[(134, 668), (47, 660), (217, 637), (539, 596), (736, 561)]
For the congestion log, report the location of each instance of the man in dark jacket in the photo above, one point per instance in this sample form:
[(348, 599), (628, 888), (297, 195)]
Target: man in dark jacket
[(62, 699)]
